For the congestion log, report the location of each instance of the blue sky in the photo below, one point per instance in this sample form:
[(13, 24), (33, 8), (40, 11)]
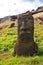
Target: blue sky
[(13, 7)]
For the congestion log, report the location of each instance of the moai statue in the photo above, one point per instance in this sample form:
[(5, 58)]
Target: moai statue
[(25, 44)]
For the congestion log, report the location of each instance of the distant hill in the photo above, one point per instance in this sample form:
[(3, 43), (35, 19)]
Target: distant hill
[(8, 18), (38, 18), (37, 14), (38, 10), (8, 21)]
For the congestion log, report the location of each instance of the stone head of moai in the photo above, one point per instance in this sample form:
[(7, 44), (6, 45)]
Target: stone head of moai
[(25, 28), (25, 44)]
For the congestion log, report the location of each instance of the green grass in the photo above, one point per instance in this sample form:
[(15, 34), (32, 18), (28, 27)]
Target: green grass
[(8, 37), (22, 61)]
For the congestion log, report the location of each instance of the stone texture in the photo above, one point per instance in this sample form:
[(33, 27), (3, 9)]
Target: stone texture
[(25, 44)]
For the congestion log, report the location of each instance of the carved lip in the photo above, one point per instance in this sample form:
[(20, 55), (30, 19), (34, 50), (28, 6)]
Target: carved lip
[(25, 37), (25, 32)]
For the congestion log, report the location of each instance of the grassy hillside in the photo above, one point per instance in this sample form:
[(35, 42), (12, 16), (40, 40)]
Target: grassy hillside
[(38, 15), (8, 37), (6, 24), (38, 18)]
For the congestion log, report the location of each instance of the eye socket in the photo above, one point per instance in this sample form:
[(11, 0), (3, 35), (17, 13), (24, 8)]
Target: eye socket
[(19, 23)]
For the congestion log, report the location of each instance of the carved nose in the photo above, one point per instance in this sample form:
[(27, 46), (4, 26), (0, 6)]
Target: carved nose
[(24, 26)]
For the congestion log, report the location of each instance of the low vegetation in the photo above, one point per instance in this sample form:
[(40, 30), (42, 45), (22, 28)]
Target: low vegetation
[(8, 37)]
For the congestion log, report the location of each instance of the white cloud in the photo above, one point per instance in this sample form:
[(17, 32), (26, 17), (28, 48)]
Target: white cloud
[(38, 3), (12, 7)]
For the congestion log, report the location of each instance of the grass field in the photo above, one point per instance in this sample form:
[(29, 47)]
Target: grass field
[(8, 37)]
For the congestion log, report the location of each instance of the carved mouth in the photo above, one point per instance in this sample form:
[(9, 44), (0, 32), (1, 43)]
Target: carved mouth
[(25, 32), (25, 36)]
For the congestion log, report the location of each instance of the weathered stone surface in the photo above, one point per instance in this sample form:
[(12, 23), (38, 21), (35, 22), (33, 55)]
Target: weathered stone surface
[(25, 44)]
